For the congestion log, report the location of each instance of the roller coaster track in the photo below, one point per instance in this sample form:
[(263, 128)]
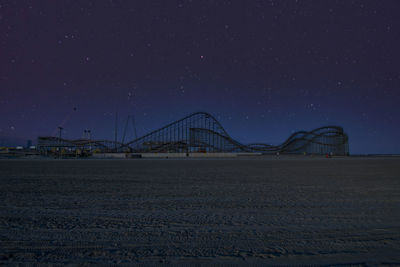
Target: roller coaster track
[(202, 132)]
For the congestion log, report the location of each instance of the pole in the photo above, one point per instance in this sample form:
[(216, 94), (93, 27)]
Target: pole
[(60, 132), (134, 126), (126, 126), (59, 140), (116, 131)]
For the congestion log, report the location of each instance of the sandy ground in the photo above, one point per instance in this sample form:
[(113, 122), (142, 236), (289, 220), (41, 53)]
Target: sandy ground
[(224, 211)]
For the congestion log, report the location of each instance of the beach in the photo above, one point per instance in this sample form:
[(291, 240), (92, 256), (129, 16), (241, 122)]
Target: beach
[(240, 211)]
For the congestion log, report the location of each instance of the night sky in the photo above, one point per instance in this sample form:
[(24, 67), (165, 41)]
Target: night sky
[(264, 68)]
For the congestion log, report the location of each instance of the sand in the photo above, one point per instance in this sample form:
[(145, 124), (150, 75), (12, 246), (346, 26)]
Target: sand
[(263, 211)]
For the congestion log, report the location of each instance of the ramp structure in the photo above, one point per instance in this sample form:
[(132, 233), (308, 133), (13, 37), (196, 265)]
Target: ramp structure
[(202, 132)]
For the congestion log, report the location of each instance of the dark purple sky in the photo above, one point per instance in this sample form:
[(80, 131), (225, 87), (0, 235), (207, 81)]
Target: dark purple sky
[(263, 68)]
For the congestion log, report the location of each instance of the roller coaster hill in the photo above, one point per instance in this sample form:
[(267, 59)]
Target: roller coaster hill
[(201, 132)]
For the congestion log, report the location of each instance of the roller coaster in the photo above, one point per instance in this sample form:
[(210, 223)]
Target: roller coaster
[(202, 132)]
